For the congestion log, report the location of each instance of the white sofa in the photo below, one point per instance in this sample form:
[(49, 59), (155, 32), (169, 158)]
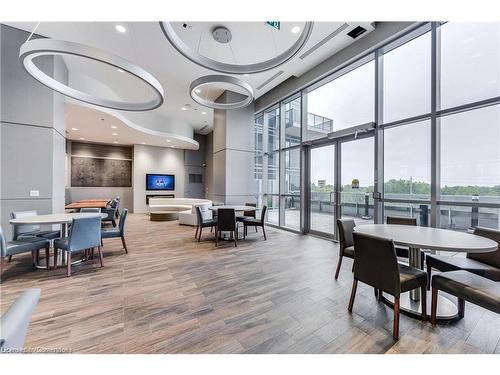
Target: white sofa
[(185, 207)]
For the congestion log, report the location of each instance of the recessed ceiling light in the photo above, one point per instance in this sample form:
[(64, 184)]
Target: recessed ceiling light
[(114, 133), (198, 91), (168, 140), (295, 29), (82, 139), (115, 141), (172, 146), (184, 108), (113, 127), (121, 70), (120, 28), (75, 129), (246, 75), (143, 143), (203, 113)]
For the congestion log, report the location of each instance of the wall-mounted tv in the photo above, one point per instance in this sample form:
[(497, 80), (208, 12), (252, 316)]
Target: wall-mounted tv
[(160, 182)]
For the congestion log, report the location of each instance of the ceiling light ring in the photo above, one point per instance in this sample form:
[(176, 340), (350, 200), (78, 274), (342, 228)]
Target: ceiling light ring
[(44, 47), (221, 79), (222, 67)]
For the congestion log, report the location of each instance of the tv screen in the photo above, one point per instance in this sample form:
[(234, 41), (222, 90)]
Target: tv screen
[(160, 182)]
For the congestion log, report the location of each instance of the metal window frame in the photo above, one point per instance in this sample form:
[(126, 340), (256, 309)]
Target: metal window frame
[(433, 116)]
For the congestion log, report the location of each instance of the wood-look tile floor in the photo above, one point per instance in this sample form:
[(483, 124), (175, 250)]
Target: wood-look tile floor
[(171, 294)]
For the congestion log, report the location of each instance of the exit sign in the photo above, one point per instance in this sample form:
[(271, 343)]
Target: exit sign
[(274, 24)]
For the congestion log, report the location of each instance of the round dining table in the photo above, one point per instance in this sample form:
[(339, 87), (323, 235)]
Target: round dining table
[(418, 238), (55, 219)]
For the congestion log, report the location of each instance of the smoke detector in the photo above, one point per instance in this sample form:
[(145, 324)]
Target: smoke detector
[(222, 34)]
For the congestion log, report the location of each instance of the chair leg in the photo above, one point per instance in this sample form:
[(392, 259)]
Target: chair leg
[(429, 271), (33, 258), (264, 231), (211, 229), (114, 223), (10, 258), (68, 268), (124, 244), (339, 263), (47, 257), (352, 269), (353, 294), (2, 265), (199, 236), (461, 308), (196, 234), (55, 257), (395, 329), (376, 292), (423, 301), (236, 237), (216, 237), (92, 253), (100, 256), (434, 305)]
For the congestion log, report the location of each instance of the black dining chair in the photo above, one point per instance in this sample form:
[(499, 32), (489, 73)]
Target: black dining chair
[(482, 264), (226, 222), (202, 223), (376, 264), (345, 228), (117, 232), (248, 214), (404, 252), (256, 223), (85, 234)]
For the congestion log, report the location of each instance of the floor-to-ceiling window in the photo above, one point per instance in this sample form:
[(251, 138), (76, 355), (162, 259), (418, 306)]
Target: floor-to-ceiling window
[(433, 98)]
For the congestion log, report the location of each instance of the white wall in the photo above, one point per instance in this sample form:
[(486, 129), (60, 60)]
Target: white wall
[(151, 159)]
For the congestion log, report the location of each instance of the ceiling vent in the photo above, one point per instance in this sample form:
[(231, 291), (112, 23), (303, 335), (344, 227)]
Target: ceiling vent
[(357, 31), (270, 79), (324, 40)]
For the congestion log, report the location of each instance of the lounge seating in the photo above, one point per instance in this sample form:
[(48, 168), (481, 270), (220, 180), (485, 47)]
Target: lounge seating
[(26, 245), (85, 234), (345, 227), (482, 264), (251, 222), (182, 208), (376, 264), (466, 286), (117, 232), (15, 321), (202, 223)]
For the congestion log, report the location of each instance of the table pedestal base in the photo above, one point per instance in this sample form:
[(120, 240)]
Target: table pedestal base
[(446, 309)]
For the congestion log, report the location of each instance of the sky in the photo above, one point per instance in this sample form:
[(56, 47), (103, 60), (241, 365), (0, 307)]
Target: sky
[(470, 142)]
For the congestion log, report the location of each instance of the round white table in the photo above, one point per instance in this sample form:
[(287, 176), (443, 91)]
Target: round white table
[(236, 208), (61, 219), (417, 238)]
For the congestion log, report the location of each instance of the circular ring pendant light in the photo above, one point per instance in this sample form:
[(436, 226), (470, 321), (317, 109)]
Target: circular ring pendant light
[(46, 47), (197, 84), (222, 67)]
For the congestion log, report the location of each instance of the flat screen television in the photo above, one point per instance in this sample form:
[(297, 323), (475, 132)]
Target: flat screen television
[(160, 182)]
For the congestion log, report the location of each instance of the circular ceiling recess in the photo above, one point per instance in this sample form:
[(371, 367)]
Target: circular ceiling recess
[(225, 36), (221, 92), (49, 47)]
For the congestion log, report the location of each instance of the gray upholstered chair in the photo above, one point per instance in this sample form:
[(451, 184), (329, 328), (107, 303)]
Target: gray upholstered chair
[(85, 234), (112, 212), (376, 264), (90, 210), (15, 321), (117, 232), (27, 245), (345, 227), (466, 286), (251, 222), (482, 264), (226, 222), (404, 252), (211, 223)]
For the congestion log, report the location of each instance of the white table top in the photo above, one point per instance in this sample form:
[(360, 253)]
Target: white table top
[(236, 208), (429, 238), (55, 218)]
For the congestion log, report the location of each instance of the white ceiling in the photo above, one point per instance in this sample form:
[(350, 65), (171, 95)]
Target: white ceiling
[(145, 45)]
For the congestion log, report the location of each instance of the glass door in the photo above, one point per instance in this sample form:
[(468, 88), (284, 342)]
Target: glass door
[(357, 180), (322, 191)]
